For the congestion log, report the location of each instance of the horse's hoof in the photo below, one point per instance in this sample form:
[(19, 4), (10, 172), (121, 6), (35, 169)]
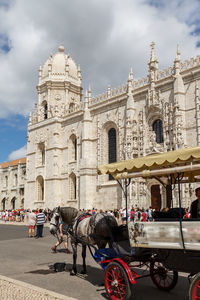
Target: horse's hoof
[(83, 272), (72, 273)]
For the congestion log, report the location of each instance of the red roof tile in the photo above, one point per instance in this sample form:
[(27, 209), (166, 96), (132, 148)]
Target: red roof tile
[(13, 162)]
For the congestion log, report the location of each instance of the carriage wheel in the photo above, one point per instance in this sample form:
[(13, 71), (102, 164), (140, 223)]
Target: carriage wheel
[(116, 282), (163, 278), (194, 290)]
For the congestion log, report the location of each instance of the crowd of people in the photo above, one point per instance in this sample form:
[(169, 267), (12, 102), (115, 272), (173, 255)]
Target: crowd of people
[(34, 219), (21, 215), (133, 214)]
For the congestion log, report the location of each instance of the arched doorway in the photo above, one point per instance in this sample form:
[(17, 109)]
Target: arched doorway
[(3, 204), (72, 186), (112, 148), (40, 188), (22, 203), (155, 197), (13, 203)]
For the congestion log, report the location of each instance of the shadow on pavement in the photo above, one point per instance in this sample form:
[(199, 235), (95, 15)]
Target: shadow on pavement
[(41, 271)]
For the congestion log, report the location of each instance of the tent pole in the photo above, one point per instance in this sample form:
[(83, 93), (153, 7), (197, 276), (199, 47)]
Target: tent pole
[(180, 212)]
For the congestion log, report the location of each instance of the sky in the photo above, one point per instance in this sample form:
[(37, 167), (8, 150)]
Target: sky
[(106, 37)]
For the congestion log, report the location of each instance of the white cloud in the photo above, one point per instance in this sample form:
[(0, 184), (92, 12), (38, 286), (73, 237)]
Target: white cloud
[(106, 37), (19, 153)]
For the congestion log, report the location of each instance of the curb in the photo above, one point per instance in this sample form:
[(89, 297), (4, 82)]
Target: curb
[(11, 289), (19, 223)]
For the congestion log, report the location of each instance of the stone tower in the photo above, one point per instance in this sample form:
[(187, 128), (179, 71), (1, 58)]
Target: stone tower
[(48, 153)]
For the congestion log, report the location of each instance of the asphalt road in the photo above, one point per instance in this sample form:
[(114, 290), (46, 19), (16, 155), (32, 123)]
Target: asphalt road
[(29, 260)]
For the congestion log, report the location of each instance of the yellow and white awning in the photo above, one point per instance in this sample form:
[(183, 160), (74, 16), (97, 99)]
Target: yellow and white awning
[(185, 160)]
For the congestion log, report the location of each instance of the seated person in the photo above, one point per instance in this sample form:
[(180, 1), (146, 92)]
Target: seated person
[(195, 206)]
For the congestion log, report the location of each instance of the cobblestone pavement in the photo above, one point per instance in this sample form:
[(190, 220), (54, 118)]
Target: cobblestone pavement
[(16, 290), (29, 261)]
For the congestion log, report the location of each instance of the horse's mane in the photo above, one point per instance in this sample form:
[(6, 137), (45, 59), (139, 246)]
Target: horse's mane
[(68, 214)]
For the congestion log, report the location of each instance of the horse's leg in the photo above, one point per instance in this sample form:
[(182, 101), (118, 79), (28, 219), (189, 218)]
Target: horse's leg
[(84, 256), (74, 269)]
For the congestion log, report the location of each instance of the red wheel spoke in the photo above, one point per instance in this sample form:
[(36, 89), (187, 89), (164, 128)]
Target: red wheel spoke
[(123, 291), (110, 274), (119, 293), (109, 279)]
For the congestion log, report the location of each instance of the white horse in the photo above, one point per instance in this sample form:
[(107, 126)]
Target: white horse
[(84, 229)]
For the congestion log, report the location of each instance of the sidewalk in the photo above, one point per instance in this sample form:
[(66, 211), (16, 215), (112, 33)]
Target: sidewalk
[(19, 223), (11, 289)]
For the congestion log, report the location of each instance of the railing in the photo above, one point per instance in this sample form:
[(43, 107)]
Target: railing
[(109, 95)]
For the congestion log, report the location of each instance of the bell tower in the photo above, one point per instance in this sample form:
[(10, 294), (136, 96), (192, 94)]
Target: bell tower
[(59, 87)]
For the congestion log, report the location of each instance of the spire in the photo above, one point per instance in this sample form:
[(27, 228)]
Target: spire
[(86, 96), (61, 48), (109, 91), (79, 72), (130, 81), (153, 57), (40, 73), (179, 88), (86, 107), (131, 74), (178, 53), (153, 64), (89, 92), (177, 61)]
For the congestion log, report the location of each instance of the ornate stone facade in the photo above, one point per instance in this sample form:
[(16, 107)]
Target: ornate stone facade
[(68, 136)]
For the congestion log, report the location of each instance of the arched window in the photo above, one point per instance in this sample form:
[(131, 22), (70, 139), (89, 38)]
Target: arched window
[(71, 107), (45, 109), (40, 188), (112, 148), (16, 180), (158, 129), (6, 181), (3, 204), (13, 203), (22, 203), (41, 154), (72, 186), (73, 148)]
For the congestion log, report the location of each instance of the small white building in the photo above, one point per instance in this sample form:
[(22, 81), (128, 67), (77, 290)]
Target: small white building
[(12, 182)]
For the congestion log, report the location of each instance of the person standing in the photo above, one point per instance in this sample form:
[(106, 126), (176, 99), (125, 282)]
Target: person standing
[(195, 206), (31, 224), (40, 220)]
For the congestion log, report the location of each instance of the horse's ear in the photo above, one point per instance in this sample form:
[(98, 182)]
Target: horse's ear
[(58, 208)]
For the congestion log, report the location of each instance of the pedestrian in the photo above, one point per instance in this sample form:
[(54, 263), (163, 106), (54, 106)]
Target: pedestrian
[(150, 214), (132, 214), (31, 224), (143, 216), (63, 237), (123, 216), (195, 206), (40, 220)]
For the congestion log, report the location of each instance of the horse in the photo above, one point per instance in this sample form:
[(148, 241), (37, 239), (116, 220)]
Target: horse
[(84, 229)]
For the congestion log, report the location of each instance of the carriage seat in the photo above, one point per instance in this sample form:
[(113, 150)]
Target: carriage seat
[(120, 240), (121, 244), (171, 215)]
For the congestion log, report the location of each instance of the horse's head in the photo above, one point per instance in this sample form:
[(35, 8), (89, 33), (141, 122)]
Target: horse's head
[(55, 220)]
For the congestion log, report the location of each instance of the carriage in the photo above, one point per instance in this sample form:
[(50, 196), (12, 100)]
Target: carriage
[(169, 245)]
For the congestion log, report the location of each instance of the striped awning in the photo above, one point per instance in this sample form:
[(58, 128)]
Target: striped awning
[(177, 158)]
